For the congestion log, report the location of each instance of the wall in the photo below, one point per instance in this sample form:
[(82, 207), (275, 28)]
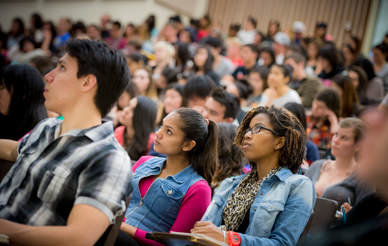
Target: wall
[(337, 13), (90, 11)]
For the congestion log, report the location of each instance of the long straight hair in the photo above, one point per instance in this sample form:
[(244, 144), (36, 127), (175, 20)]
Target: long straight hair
[(26, 109), (144, 117), (349, 97)]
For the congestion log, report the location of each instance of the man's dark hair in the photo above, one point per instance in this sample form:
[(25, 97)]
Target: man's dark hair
[(270, 51), (330, 53), (118, 24), (255, 49), (213, 42), (297, 57), (200, 86), (109, 66), (228, 100)]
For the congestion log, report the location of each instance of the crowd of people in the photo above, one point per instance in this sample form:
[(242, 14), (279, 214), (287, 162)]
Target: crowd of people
[(232, 136)]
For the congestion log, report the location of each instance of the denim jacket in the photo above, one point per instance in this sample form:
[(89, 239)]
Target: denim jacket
[(279, 212), (158, 209)]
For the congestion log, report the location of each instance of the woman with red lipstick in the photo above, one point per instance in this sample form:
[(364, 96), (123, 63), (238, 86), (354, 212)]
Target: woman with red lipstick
[(271, 204), (136, 134), (171, 194), (337, 180)]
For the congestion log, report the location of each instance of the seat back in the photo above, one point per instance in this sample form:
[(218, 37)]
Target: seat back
[(110, 235), (324, 214), (5, 166), (306, 230)]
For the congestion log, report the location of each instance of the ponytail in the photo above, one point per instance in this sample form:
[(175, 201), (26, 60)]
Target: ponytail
[(204, 156)]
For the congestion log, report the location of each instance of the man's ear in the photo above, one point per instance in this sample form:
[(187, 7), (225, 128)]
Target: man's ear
[(89, 83), (187, 146), (280, 143)]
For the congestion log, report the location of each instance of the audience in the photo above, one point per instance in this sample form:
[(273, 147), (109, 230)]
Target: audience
[(258, 80), (70, 177), (203, 64), (329, 58), (173, 100), (190, 142), (350, 103), (240, 208), (280, 46), (26, 51), (197, 91), (360, 83), (16, 33), (116, 40), (221, 65), (21, 101), (306, 86), (380, 54), (130, 92), (267, 57), (247, 35), (249, 55), (63, 34), (136, 134), (337, 180), (278, 93), (144, 82)]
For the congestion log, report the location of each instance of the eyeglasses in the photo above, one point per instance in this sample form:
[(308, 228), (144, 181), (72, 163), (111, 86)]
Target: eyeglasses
[(257, 128)]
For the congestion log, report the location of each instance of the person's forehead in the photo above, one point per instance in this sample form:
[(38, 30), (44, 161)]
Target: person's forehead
[(260, 119)]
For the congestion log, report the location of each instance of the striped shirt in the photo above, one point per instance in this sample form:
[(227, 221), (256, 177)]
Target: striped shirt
[(52, 174)]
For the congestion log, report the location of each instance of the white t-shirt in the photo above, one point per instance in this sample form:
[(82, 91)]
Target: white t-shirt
[(247, 37), (290, 96)]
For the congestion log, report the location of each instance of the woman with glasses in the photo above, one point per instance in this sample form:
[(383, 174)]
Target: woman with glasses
[(271, 204)]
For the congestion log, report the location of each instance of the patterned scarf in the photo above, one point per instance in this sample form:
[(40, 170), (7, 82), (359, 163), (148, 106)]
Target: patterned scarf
[(242, 199)]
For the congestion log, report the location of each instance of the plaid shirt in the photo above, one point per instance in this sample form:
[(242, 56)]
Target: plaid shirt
[(52, 174)]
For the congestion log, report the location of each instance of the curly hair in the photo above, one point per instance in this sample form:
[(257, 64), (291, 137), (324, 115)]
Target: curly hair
[(285, 124)]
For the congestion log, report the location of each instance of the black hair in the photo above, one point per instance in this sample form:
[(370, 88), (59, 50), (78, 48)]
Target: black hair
[(26, 108), (253, 21), (200, 86), (132, 90), (230, 157), (230, 101), (349, 97), (144, 117), (367, 66), (255, 49), (170, 75), (286, 70), (38, 21), (178, 88), (27, 39), (263, 71), (183, 55), (213, 42), (109, 66), (136, 57), (244, 88), (285, 124), (270, 51), (363, 81), (298, 110), (208, 66), (204, 156), (150, 23), (321, 24), (117, 23), (332, 100), (21, 27), (331, 54), (52, 30), (382, 47), (235, 27), (78, 26)]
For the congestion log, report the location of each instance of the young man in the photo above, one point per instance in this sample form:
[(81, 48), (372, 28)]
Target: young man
[(63, 34), (307, 87), (221, 65), (70, 178), (280, 46), (249, 55), (197, 91), (116, 40), (221, 106)]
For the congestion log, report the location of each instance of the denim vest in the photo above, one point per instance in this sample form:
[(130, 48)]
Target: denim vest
[(279, 212), (157, 211)]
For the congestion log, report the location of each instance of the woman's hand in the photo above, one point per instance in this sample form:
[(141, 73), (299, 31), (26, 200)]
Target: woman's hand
[(333, 120), (347, 207), (130, 230), (209, 229)]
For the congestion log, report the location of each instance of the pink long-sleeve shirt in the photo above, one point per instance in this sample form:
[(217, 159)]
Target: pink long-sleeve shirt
[(193, 206)]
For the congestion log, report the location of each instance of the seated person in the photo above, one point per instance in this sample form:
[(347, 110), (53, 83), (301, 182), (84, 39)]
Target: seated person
[(221, 65), (63, 186), (203, 64), (221, 106), (144, 82), (337, 180), (197, 91), (258, 79), (28, 50), (171, 194), (323, 122), (135, 62), (168, 76), (130, 92), (271, 204), (350, 103), (278, 93), (306, 86), (230, 157), (249, 55), (296, 109), (21, 101), (136, 134), (241, 89)]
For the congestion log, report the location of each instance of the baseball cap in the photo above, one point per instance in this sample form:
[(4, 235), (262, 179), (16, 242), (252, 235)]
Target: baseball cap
[(282, 39), (298, 27)]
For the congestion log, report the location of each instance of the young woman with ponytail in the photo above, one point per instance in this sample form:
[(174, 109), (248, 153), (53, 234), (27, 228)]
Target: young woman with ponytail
[(171, 194)]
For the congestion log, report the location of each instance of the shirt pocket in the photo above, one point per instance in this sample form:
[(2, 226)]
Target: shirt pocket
[(266, 216), (167, 202), (215, 208), (52, 183)]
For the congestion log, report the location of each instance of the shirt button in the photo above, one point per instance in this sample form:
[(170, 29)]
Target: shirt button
[(271, 207), (169, 192), (254, 209), (261, 194)]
